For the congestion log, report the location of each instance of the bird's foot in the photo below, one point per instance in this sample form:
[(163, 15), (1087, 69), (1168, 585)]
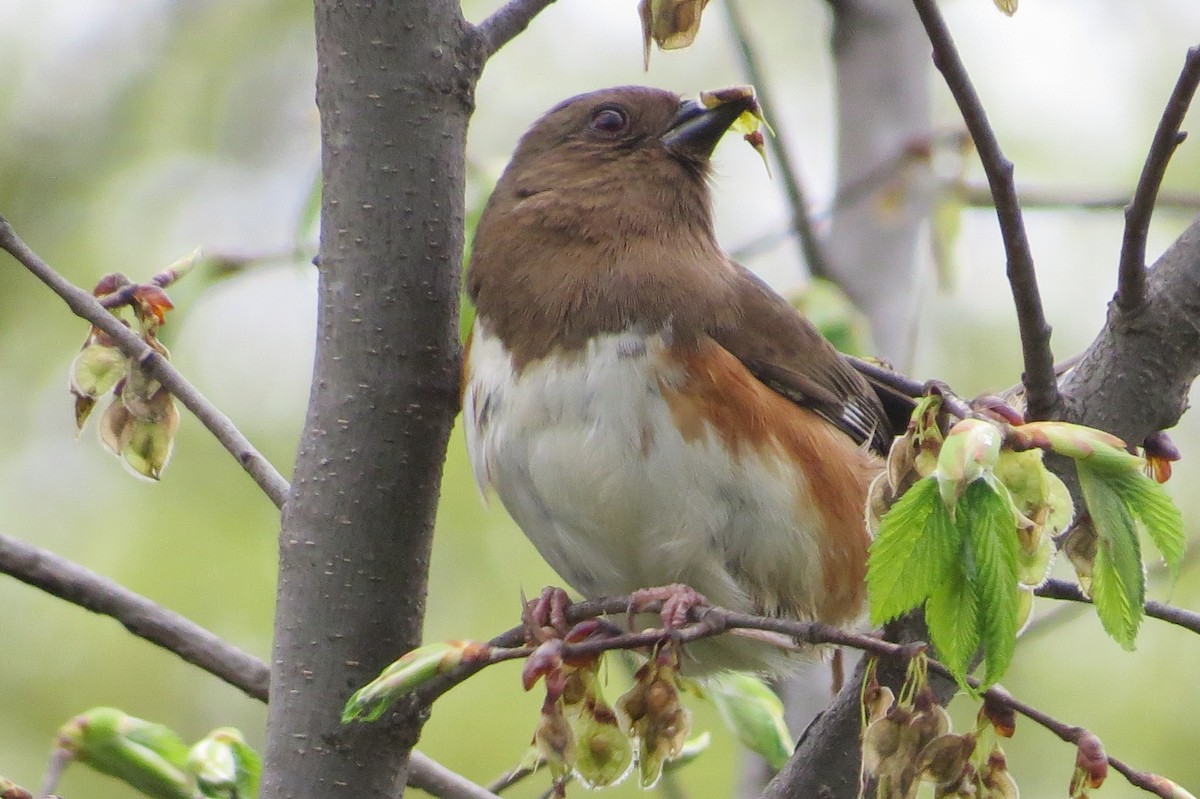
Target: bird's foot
[(678, 602), (546, 616)]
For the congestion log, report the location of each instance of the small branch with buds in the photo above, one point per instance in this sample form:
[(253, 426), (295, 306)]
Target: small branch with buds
[(152, 362), (146, 619), (709, 621)]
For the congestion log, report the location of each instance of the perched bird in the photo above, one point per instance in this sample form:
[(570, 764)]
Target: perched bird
[(649, 411)]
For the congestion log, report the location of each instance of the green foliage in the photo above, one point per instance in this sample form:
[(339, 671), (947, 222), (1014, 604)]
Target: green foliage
[(754, 712), (224, 766), (912, 554), (155, 761), (963, 569), (962, 540)]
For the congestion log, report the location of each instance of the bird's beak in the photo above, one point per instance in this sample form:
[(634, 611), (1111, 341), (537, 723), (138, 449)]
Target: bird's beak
[(696, 129)]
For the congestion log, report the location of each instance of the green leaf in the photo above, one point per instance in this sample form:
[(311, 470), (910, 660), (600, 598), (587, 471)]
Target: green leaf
[(1118, 579), (754, 712), (913, 554), (1008, 7), (986, 517), (1150, 503), (953, 616)]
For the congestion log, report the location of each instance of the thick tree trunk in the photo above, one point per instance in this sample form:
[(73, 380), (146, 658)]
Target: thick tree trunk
[(394, 89)]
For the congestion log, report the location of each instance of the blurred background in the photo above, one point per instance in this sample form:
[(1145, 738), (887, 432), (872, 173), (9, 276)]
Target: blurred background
[(132, 131)]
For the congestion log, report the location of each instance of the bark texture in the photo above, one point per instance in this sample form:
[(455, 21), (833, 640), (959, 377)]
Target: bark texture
[(394, 90), (1135, 377)]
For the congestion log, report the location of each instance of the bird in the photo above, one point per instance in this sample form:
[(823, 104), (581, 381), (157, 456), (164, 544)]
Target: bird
[(648, 411)]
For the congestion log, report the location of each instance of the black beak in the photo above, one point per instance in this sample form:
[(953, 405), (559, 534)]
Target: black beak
[(696, 130)]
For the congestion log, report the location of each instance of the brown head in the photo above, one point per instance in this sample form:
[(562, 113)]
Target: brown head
[(603, 220)]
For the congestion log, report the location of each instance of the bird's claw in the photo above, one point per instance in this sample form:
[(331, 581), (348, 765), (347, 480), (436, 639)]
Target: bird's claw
[(546, 616), (678, 602)]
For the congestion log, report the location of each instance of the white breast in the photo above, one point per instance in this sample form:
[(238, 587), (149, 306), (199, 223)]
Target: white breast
[(583, 452)]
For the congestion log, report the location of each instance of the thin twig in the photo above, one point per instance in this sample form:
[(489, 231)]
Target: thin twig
[(1062, 589), (1152, 783), (810, 245), (69, 581), (507, 22), (1040, 383), (435, 779), (85, 306), (977, 195), (710, 621), (1131, 275)]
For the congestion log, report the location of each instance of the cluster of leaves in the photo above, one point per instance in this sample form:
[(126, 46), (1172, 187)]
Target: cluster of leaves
[(910, 740), (140, 422), (973, 529), (154, 760)]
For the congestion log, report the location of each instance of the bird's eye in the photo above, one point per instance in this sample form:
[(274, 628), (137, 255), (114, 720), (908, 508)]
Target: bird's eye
[(609, 120)]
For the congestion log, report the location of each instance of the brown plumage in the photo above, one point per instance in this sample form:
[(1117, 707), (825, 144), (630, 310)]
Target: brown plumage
[(649, 411)]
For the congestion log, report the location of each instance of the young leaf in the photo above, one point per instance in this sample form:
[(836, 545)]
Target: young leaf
[(985, 516), (1118, 579), (225, 766), (406, 674), (149, 757), (1148, 501), (953, 615), (754, 712), (913, 554)]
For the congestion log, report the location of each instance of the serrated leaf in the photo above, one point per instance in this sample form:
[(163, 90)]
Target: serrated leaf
[(985, 516), (953, 615), (754, 712), (1149, 502), (1118, 579), (913, 554)]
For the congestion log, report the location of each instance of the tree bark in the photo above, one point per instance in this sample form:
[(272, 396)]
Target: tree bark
[(1135, 377), (395, 90)]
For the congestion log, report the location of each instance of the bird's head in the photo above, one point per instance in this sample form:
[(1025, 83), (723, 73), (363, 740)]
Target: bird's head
[(621, 162)]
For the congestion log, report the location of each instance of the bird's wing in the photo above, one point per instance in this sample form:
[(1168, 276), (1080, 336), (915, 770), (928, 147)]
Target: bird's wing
[(786, 353)]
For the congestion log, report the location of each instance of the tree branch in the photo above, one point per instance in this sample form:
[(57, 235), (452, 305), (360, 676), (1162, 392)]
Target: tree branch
[(87, 307), (978, 195), (507, 23), (1151, 783), (150, 621), (1039, 378), (1070, 592), (1135, 377), (60, 577), (810, 245), (1131, 276)]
